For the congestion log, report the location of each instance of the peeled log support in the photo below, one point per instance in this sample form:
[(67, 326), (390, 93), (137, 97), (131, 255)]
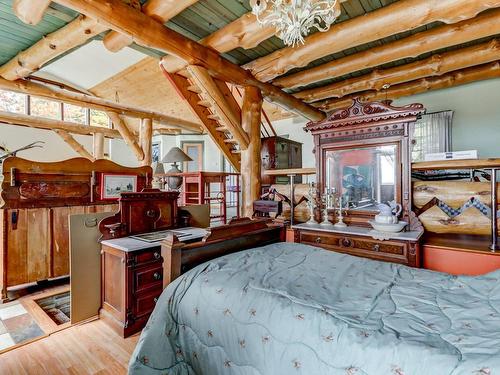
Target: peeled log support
[(484, 25), (29, 11), (73, 143), (250, 158), (460, 77), (126, 134), (147, 141), (435, 65), (74, 34), (161, 10), (98, 146), (396, 18)]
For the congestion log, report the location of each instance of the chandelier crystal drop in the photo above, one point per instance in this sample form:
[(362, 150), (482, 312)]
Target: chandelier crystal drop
[(294, 19)]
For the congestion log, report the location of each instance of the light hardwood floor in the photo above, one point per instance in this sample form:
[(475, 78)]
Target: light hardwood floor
[(90, 348)]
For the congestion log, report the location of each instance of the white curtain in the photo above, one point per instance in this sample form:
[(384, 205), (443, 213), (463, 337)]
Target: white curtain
[(431, 134)]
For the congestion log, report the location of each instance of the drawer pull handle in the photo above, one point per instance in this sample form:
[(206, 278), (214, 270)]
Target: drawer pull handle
[(156, 255), (376, 247), (346, 242), (157, 276), (318, 239), (155, 299)]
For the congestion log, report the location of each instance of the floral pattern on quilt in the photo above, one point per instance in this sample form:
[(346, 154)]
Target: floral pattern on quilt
[(295, 309)]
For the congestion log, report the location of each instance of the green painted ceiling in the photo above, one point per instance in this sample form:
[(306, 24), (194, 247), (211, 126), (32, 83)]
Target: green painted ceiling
[(196, 22)]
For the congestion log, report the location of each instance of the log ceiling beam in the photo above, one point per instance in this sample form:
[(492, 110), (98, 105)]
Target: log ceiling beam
[(74, 34), (401, 16), (151, 33), (245, 32), (484, 25), (457, 78), (211, 92), (74, 144), (435, 65), (98, 146), (146, 137), (127, 135), (83, 100), (161, 10), (29, 11), (49, 124)]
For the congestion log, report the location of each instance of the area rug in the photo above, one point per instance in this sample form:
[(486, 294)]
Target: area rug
[(16, 325)]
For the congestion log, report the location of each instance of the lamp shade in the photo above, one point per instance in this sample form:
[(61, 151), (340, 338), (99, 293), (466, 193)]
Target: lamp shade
[(174, 155), (158, 168)]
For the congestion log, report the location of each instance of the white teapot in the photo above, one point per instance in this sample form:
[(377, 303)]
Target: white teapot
[(388, 214)]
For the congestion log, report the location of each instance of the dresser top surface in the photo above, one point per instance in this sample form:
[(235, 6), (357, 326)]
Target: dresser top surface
[(360, 231), (133, 243)]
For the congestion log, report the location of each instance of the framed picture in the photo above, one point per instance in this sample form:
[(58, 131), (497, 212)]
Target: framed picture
[(114, 184)]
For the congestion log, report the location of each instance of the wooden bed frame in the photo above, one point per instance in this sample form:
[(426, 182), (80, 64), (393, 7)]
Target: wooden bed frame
[(239, 234)]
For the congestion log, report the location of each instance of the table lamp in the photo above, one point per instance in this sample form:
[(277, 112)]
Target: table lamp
[(174, 156)]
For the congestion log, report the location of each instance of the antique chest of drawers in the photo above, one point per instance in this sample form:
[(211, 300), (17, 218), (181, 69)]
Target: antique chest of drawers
[(131, 285), (400, 248)]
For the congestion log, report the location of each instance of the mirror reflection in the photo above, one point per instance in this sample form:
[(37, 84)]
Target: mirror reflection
[(363, 177)]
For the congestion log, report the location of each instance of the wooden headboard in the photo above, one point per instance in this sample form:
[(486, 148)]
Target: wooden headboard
[(239, 234)]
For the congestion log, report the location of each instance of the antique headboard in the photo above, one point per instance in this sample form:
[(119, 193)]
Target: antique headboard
[(72, 182)]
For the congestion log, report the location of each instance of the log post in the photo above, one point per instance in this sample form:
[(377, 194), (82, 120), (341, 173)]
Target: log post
[(126, 134), (146, 140), (250, 158), (98, 146), (73, 143)]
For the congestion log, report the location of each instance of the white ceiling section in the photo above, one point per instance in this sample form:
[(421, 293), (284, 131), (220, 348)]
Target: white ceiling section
[(91, 64)]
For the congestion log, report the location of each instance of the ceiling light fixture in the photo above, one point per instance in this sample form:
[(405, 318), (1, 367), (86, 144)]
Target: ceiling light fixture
[(294, 19)]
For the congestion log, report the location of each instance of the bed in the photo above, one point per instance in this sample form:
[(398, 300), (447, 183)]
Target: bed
[(295, 309)]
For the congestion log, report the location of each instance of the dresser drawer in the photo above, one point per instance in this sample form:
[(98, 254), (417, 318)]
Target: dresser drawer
[(140, 258), (144, 303), (147, 277), (355, 245)]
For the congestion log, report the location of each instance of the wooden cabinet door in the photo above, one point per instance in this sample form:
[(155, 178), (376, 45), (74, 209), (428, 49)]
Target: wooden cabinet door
[(60, 243)]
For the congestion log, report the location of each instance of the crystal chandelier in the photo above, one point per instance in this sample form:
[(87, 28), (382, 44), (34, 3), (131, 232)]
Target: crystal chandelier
[(294, 19)]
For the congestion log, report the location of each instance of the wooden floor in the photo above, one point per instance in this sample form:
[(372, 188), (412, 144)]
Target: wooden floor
[(90, 348)]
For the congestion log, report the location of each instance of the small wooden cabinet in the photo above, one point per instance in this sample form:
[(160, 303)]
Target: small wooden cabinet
[(131, 284), (280, 153)]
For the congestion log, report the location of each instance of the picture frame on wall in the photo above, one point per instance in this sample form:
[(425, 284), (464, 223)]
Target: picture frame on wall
[(112, 185)]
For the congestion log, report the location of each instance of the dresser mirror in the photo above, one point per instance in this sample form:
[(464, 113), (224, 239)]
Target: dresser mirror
[(364, 176)]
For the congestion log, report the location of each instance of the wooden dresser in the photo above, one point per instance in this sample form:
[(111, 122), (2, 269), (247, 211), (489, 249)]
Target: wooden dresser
[(363, 157), (400, 248)]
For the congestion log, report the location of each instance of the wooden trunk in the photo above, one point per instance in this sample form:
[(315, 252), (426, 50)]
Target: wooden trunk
[(280, 153)]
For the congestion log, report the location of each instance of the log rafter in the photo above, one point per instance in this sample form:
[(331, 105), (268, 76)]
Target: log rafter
[(29, 11), (435, 65), (74, 34), (161, 10), (74, 144), (151, 33), (127, 135), (484, 25), (40, 90), (398, 17), (452, 79)]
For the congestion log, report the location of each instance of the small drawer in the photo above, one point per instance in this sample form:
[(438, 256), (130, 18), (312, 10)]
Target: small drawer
[(144, 303), (140, 258), (147, 278)]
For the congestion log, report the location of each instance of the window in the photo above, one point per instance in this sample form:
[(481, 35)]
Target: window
[(12, 102), (73, 113), (432, 134), (195, 151), (99, 118), (45, 108)]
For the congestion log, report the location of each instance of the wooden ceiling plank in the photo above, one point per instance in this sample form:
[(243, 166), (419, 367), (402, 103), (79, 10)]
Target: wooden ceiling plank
[(149, 32), (161, 10), (434, 65), (21, 119), (29, 11), (390, 20), (72, 35), (36, 89), (484, 25), (456, 78)]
